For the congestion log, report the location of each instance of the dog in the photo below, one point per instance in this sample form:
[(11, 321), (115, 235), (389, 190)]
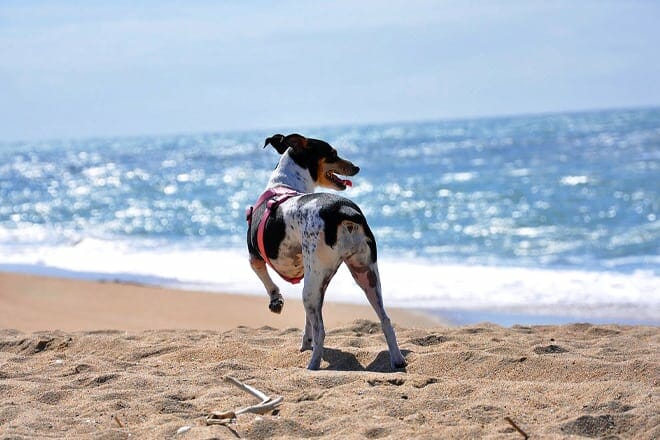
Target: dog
[(304, 235)]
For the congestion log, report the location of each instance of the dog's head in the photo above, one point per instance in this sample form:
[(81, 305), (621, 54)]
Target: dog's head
[(317, 157)]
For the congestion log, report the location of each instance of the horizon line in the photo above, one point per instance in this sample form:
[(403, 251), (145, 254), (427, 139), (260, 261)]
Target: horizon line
[(120, 136)]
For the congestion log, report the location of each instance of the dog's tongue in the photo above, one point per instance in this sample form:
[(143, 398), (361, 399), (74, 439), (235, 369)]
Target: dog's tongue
[(347, 182)]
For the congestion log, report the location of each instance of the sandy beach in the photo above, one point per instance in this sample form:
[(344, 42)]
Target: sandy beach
[(31, 303), (114, 361)]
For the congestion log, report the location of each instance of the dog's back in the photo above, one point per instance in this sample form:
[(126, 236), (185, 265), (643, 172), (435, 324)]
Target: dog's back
[(319, 219)]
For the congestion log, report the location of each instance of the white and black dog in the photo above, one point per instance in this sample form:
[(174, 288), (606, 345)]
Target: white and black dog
[(307, 236)]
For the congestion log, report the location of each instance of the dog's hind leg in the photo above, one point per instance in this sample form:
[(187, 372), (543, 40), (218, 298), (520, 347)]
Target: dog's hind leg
[(313, 302), (364, 269), (307, 335), (314, 289), (276, 300), (368, 279), (321, 264)]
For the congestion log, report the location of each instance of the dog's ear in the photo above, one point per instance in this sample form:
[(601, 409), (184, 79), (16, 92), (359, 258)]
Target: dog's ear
[(281, 143), (277, 141), (296, 141)]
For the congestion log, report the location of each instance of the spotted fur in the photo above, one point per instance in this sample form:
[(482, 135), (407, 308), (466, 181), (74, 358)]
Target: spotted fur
[(313, 234)]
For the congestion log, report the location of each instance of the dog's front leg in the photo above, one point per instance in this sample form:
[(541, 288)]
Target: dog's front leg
[(276, 300)]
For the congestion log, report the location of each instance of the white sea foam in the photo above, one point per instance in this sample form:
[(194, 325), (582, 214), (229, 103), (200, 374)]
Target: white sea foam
[(458, 177), (406, 282), (574, 180)]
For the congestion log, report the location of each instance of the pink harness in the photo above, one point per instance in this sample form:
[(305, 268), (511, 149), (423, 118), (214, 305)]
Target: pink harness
[(273, 197)]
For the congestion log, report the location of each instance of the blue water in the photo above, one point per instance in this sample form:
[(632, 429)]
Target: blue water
[(546, 211)]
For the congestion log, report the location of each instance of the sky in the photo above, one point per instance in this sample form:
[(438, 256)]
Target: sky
[(76, 69)]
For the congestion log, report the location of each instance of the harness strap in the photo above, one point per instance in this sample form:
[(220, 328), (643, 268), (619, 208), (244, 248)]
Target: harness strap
[(273, 197)]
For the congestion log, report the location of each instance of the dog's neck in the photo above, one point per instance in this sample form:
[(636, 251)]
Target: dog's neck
[(289, 173)]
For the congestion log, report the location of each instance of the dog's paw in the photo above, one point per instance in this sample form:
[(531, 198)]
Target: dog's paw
[(276, 305), (398, 362), (313, 366), (306, 345), (399, 365)]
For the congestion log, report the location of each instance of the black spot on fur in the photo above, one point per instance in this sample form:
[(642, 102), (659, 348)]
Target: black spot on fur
[(334, 210)]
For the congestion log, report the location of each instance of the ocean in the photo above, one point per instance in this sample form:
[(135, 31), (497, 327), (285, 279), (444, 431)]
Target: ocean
[(544, 218)]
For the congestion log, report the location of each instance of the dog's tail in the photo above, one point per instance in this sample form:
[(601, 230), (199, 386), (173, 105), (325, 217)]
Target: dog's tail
[(277, 141), (356, 243)]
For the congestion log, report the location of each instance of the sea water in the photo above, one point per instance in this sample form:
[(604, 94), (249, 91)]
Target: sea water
[(551, 215)]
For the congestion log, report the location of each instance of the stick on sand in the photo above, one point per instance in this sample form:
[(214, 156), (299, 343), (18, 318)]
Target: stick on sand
[(266, 405)]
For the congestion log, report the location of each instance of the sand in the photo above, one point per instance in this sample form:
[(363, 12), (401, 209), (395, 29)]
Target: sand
[(141, 370), (31, 303)]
